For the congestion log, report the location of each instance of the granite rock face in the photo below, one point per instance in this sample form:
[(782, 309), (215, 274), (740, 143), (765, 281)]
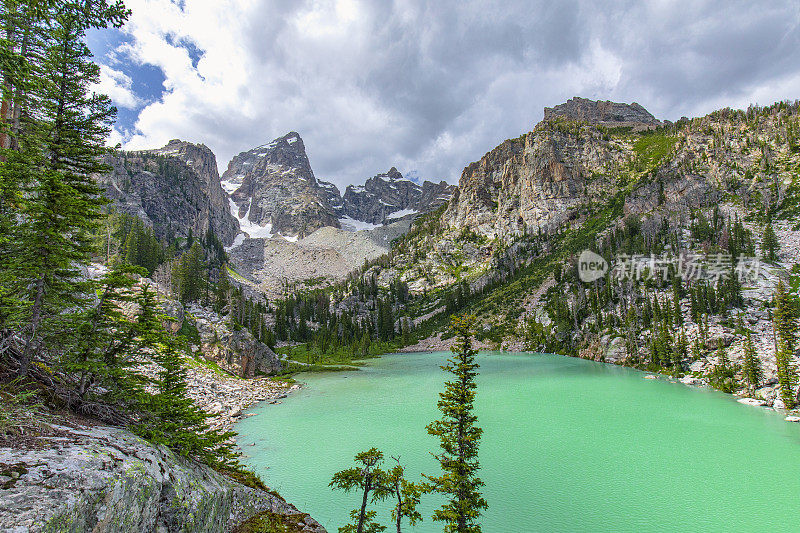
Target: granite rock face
[(604, 113), (274, 191), (274, 188), (107, 480), (389, 196), (173, 189)]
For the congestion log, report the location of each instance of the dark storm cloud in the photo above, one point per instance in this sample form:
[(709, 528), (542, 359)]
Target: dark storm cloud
[(430, 86)]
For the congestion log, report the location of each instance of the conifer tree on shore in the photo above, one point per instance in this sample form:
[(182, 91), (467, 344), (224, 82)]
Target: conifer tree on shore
[(785, 329), (459, 438), (751, 366)]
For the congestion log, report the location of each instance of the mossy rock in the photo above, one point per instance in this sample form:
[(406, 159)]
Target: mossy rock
[(269, 522)]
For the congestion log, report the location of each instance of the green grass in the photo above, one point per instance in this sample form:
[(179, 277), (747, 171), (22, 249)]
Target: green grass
[(235, 275), (200, 361), (336, 356), (269, 522), (651, 148)]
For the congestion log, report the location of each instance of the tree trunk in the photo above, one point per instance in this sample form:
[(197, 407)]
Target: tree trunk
[(363, 512), (399, 503), (36, 317)]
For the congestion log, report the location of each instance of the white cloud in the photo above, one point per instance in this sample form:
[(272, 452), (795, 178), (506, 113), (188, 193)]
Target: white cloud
[(117, 85), (430, 86)]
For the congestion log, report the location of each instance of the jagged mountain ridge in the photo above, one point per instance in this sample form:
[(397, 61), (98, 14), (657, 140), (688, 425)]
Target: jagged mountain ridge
[(390, 196), (275, 192)]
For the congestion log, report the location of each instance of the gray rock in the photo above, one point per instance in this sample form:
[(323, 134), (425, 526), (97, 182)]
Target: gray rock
[(238, 352), (615, 350), (107, 480), (605, 113), (173, 189), (752, 401), (382, 197), (276, 186)]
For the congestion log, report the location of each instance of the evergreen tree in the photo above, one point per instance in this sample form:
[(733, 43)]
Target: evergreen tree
[(751, 367), (785, 330), (405, 325), (723, 373), (106, 348), (407, 495), (676, 298), (171, 417), (189, 275), (459, 437), (374, 484), (769, 244), (61, 207)]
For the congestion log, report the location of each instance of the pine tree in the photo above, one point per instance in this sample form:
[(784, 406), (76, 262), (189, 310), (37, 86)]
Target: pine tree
[(723, 373), (459, 437), (405, 325), (751, 366), (62, 206), (106, 347), (785, 329), (769, 244), (676, 298), (374, 484), (171, 417)]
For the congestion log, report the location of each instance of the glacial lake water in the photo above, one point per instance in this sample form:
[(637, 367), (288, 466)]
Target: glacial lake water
[(568, 445)]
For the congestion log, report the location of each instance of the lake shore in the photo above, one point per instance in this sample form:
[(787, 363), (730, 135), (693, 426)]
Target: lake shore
[(225, 398)]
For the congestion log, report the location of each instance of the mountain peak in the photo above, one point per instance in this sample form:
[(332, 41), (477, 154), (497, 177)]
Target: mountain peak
[(604, 113)]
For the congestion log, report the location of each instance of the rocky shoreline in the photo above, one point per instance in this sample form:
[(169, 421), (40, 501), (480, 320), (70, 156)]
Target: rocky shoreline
[(225, 398)]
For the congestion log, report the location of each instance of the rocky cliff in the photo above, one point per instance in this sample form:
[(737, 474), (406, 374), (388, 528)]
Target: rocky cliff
[(603, 113), (535, 181), (275, 192), (174, 189), (106, 480), (389, 196)]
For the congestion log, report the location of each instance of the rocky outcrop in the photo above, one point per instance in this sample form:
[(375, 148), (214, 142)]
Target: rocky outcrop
[(107, 480), (327, 255), (389, 196), (275, 192), (235, 351), (603, 113), (173, 189)]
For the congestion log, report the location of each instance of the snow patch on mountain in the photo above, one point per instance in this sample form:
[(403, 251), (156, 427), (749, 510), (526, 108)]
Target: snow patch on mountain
[(351, 224)]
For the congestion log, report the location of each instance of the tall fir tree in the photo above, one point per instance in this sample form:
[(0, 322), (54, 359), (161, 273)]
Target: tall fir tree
[(785, 330), (459, 437), (68, 128), (170, 416), (769, 244), (751, 366)]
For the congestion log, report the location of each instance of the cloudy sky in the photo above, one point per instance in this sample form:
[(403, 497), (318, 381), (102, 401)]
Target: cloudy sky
[(426, 86)]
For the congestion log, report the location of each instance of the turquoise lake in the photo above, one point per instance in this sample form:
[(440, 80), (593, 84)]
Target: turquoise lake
[(568, 445)]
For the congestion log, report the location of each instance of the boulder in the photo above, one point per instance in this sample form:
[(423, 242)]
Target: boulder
[(615, 350), (107, 480), (752, 401)]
